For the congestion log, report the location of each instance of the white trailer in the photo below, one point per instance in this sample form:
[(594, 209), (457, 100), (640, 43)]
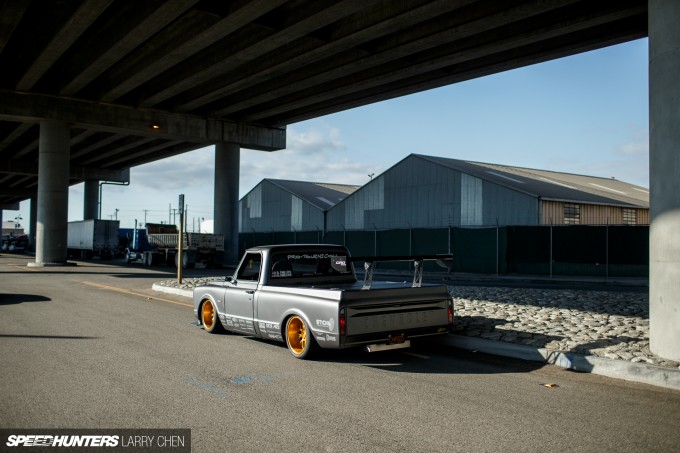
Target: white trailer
[(93, 238)]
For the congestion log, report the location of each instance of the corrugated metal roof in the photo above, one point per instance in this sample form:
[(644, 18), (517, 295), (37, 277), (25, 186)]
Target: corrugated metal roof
[(551, 185), (322, 195)]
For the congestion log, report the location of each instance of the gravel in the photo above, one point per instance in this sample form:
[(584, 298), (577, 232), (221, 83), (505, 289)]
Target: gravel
[(609, 324)]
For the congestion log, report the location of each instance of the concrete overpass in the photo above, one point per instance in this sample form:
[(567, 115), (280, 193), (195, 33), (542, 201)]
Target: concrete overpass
[(90, 88)]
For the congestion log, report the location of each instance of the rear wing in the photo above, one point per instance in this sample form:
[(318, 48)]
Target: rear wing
[(444, 260)]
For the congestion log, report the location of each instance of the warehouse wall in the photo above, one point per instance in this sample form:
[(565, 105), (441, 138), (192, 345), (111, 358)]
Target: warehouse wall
[(417, 193), (553, 214), (269, 208), (506, 207)]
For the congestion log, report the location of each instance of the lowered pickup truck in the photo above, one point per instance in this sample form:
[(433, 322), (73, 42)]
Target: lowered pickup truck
[(308, 296)]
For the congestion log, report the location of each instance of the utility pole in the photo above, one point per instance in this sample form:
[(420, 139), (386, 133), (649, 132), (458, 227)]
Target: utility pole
[(180, 242), (145, 211)]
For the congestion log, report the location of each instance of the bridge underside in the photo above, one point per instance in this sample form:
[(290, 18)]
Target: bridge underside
[(141, 81)]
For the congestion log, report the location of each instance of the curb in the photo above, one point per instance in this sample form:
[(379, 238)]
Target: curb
[(170, 290), (619, 369)]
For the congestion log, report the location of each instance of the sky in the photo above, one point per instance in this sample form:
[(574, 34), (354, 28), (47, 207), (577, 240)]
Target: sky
[(586, 114)]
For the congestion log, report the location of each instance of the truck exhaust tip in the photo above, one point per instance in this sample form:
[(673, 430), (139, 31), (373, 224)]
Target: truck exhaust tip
[(388, 347)]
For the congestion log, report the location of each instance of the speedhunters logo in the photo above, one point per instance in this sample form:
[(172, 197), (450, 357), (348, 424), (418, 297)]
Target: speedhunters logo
[(129, 440), (37, 440)]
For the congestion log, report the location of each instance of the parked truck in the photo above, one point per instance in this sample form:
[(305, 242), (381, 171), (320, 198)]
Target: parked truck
[(98, 238), (308, 296), (14, 243), (204, 248)]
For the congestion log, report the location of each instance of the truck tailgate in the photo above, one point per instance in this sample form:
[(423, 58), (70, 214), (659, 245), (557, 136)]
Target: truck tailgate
[(395, 310)]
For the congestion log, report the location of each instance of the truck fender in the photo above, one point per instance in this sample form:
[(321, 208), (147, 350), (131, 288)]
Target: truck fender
[(294, 312), (320, 336)]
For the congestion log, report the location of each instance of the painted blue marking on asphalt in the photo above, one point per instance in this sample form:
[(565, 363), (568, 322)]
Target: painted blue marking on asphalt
[(241, 380), (205, 386), (260, 378)]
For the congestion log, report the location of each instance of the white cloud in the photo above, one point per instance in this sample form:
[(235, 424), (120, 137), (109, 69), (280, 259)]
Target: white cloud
[(316, 155), (314, 141), (192, 169), (635, 149)]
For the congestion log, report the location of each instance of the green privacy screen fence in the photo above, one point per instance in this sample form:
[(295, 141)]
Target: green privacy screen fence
[(602, 251)]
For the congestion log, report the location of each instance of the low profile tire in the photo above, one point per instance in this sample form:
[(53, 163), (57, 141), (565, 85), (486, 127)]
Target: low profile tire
[(209, 319), (299, 338)]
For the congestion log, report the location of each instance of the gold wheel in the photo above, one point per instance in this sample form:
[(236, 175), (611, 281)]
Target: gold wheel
[(297, 335), (209, 317)]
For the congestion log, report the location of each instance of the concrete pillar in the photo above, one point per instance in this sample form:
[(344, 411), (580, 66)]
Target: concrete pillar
[(664, 160), (53, 179), (227, 170), (91, 201), (32, 222)]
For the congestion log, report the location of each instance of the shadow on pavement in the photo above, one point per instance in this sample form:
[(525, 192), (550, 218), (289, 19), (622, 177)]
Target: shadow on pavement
[(431, 358), (12, 299), (601, 343), (50, 337), (423, 357), (485, 328)]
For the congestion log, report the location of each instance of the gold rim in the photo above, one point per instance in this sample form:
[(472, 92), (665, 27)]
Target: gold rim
[(208, 315), (297, 335)]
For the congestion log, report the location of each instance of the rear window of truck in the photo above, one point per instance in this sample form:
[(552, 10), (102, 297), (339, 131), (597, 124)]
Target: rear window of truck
[(302, 265)]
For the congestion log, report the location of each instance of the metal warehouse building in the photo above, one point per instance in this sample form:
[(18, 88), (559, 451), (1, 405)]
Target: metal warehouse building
[(428, 192), (280, 205)]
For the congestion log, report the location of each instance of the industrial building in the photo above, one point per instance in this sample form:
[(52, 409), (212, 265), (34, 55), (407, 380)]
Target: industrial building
[(430, 192), (283, 206)]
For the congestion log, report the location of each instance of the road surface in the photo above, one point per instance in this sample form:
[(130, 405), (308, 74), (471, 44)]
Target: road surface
[(92, 346)]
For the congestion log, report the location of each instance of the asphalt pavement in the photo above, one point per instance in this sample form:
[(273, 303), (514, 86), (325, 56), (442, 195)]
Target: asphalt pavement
[(93, 346)]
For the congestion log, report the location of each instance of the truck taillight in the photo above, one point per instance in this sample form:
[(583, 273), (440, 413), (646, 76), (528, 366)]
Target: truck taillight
[(342, 322), (450, 311)]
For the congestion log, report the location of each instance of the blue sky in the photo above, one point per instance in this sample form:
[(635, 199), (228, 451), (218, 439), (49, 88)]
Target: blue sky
[(585, 114)]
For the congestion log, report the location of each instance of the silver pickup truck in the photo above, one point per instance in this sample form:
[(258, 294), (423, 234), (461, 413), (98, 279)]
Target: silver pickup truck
[(309, 297)]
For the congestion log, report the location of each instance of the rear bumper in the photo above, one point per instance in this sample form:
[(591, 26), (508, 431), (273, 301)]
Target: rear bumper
[(383, 337)]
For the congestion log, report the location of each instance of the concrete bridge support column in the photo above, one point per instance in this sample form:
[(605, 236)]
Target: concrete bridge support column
[(91, 201), (53, 179), (227, 170), (664, 159)]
